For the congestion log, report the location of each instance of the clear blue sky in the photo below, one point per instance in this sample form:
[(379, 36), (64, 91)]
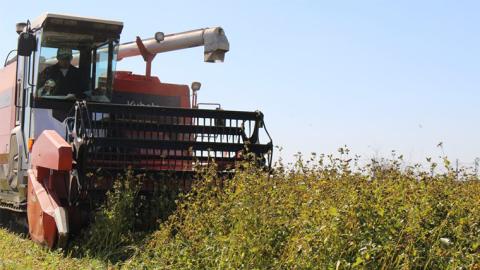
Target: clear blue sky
[(374, 75)]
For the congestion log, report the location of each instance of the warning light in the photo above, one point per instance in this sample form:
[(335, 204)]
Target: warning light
[(30, 144)]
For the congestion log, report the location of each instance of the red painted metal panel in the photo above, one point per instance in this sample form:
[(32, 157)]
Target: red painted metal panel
[(52, 151), (127, 82), (40, 210), (47, 190)]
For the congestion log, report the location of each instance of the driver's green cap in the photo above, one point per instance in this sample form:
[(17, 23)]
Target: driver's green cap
[(64, 53)]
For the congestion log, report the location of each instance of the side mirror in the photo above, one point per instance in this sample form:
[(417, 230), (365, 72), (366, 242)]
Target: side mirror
[(27, 43)]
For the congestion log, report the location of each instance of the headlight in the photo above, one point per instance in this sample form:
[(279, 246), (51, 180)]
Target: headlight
[(196, 86), (159, 36)]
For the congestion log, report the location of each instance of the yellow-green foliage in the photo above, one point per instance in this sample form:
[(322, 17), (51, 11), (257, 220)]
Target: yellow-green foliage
[(112, 232), (17, 252), (323, 215), (124, 219)]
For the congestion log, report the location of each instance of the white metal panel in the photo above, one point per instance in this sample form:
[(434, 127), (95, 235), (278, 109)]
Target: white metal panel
[(39, 21), (43, 120)]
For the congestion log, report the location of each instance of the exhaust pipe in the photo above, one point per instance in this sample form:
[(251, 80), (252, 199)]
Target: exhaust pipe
[(213, 40)]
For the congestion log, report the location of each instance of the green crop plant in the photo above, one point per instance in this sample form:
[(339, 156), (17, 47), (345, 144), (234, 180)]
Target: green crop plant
[(124, 219), (323, 213)]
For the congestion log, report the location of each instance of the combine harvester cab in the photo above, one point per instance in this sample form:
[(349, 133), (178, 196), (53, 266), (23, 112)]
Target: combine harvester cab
[(63, 143)]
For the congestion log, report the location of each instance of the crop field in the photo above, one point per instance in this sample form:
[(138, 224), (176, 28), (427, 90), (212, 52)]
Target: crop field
[(323, 212)]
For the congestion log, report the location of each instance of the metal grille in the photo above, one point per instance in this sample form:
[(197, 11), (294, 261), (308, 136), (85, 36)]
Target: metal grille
[(172, 139)]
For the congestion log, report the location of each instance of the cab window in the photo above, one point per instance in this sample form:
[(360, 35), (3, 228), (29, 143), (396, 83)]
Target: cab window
[(76, 66)]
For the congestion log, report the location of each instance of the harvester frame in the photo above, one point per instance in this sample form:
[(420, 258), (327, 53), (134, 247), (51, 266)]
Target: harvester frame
[(56, 146)]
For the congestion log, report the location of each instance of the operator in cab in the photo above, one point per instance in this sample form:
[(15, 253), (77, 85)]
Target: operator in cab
[(62, 78)]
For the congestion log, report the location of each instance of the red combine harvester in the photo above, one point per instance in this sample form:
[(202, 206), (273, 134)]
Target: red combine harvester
[(70, 122)]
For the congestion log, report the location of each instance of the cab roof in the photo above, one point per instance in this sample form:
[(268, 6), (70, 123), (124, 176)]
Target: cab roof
[(64, 26), (62, 18)]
